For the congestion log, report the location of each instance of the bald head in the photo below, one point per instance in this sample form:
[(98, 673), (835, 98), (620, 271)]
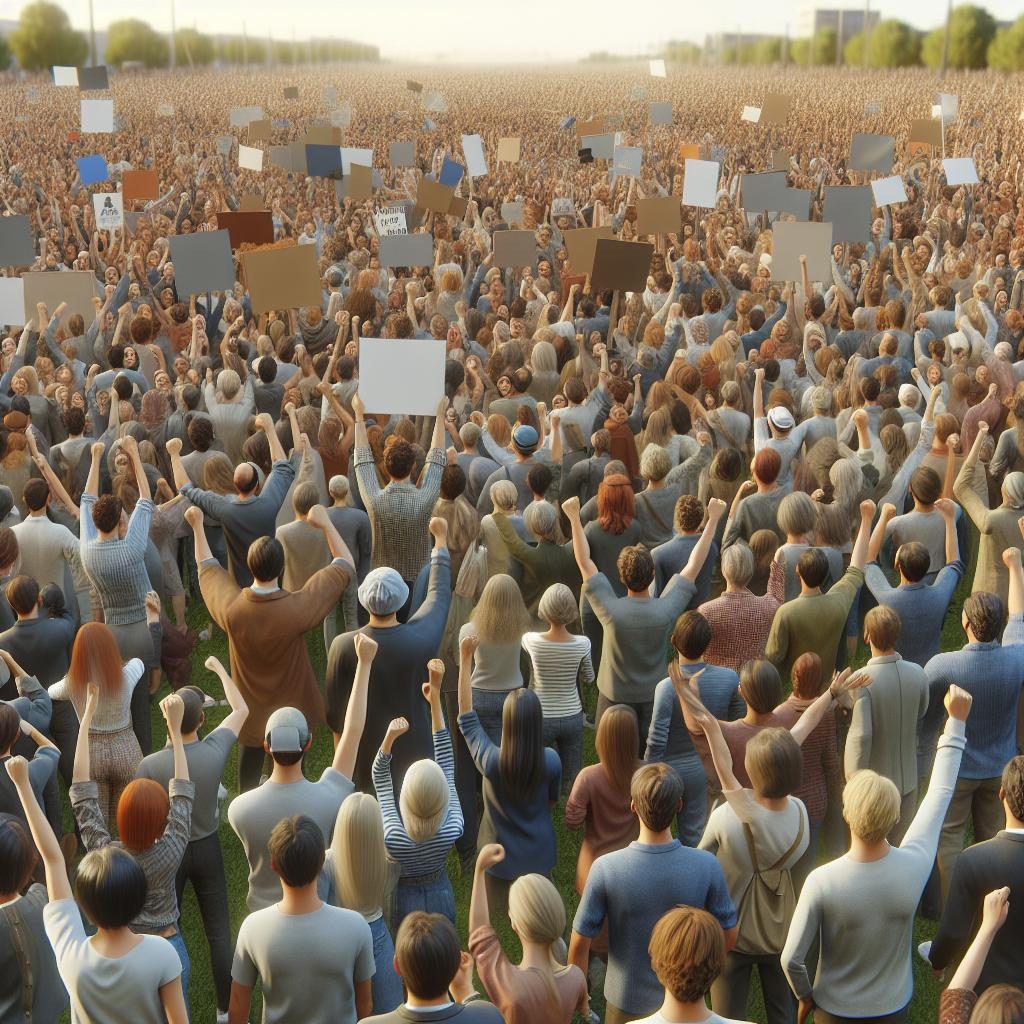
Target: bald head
[(246, 478)]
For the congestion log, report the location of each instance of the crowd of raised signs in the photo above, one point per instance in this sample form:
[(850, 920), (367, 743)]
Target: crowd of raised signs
[(645, 445)]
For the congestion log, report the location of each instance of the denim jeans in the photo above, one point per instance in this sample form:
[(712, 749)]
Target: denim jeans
[(693, 815), (387, 985), (488, 705), (203, 866), (434, 897), (566, 735), (465, 777), (178, 942)]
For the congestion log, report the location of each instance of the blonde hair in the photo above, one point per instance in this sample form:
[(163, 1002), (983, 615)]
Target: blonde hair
[(423, 800), (871, 805), (229, 383), (537, 912), (500, 616), (339, 490), (30, 377), (558, 606), (358, 856), (504, 494)]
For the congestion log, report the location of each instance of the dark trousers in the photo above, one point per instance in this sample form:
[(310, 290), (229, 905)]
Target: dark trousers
[(465, 777), (823, 1017), (731, 990), (141, 724), (250, 767), (203, 866), (644, 710)]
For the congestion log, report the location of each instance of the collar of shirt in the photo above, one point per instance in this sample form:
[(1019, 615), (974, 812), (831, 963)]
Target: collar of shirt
[(264, 590), (884, 659), (1014, 831), (429, 1009)]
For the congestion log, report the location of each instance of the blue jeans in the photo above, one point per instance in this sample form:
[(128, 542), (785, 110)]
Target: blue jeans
[(387, 985), (488, 705), (694, 813), (566, 735), (434, 897), (178, 942)]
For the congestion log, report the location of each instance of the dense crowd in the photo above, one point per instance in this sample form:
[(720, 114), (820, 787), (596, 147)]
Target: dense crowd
[(669, 516)]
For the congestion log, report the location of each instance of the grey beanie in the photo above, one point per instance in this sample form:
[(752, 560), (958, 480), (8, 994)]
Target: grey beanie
[(383, 591)]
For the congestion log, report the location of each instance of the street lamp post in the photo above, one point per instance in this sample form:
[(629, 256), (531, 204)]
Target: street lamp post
[(945, 39)]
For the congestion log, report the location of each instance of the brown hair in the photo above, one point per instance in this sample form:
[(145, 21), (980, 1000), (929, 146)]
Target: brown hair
[(657, 792), (882, 627), (1012, 784), (767, 464), (985, 614), (617, 741), (427, 953), (774, 763), (687, 950), (999, 1004), (760, 686)]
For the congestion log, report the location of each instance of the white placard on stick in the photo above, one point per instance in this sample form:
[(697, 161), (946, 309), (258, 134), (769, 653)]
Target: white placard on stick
[(658, 69), (473, 149), (351, 155), (401, 376), (12, 301), (700, 183), (97, 116), (250, 158), (889, 190), (751, 114), (109, 210), (960, 171), (390, 221), (65, 77)]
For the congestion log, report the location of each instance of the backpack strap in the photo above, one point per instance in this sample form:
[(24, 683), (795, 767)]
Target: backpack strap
[(752, 849)]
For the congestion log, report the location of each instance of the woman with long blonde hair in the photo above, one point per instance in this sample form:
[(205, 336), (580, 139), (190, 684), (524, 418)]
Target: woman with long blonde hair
[(499, 619), (355, 876)]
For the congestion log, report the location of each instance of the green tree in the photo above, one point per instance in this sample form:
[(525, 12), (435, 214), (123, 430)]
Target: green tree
[(5, 54), (235, 50), (286, 52), (821, 48), (971, 30), (853, 51), (1006, 52), (678, 52), (133, 39), (44, 37), (192, 47), (894, 44), (767, 51)]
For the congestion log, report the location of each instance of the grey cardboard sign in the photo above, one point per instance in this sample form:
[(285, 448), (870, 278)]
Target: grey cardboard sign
[(407, 250), (759, 192), (402, 154), (797, 201), (872, 153), (202, 262), (515, 249), (661, 113), (93, 79), (16, 247), (848, 210), (602, 147)]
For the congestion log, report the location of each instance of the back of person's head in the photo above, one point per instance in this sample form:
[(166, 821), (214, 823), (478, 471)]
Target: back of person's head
[(655, 463), (74, 420), (913, 560), (304, 497), (17, 856), (110, 886), (615, 504), (999, 1004), (812, 567), (575, 390), (539, 478), (541, 519), (536, 910), (500, 615), (453, 482), (95, 658), (10, 728), (296, 848), (806, 676), (871, 805), (200, 433), (339, 490), (985, 613), (267, 370), (691, 635), (882, 627), (192, 715), (689, 513), (687, 950), (636, 568), (774, 763), (229, 383), (265, 559), (106, 513), (427, 954), (797, 514), (504, 495), (558, 606), (767, 465), (36, 494), (423, 799), (617, 742), (945, 424), (656, 793), (760, 686), (521, 754), (358, 854), (22, 594), (738, 564), (870, 389), (926, 485), (399, 459), (142, 814), (1012, 785)]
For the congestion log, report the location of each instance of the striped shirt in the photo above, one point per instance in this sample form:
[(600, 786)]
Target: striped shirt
[(414, 858), (556, 667), (117, 568)]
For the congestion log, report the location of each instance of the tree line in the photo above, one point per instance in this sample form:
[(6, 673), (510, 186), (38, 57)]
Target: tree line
[(45, 37)]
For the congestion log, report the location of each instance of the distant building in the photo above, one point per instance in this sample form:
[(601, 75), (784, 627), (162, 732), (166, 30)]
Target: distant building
[(716, 45), (845, 21)]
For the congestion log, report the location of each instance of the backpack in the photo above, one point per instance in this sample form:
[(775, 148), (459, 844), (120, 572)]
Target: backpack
[(766, 908)]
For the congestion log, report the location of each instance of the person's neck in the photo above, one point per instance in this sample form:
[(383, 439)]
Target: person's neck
[(39, 513), (266, 584), (753, 717), (1011, 822), (866, 852), (34, 614), (107, 534), (287, 773), (114, 942), (188, 737), (536, 956), (655, 485), (798, 538), (772, 803), (736, 588), (805, 589), (400, 479), (763, 488), (683, 660), (470, 449), (7, 897), (639, 595), (384, 621), (877, 652), (921, 507), (296, 900), (651, 838), (414, 1002), (558, 633)]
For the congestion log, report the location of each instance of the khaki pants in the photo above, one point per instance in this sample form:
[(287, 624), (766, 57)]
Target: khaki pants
[(976, 800), (613, 1015)]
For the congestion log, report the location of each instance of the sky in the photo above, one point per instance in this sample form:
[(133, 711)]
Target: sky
[(527, 30)]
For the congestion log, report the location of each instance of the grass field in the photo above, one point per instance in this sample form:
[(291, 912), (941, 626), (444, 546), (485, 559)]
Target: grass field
[(926, 989)]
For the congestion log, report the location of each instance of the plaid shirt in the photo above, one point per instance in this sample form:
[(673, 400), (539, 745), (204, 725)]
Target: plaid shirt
[(400, 513), (159, 863), (741, 621)]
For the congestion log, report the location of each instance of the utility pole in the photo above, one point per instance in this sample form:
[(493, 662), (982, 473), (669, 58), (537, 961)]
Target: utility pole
[(785, 46), (92, 37), (174, 30), (245, 47), (945, 40), (867, 22)]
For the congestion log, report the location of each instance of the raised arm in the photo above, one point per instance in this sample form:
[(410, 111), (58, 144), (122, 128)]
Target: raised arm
[(355, 713), (81, 771), (479, 912), (843, 682), (239, 708), (319, 518), (131, 447), (995, 910), (266, 423), (194, 518), (580, 544), (172, 707), (92, 483), (878, 534), (948, 509), (1012, 561), (467, 648), (688, 692), (699, 554), (860, 547)]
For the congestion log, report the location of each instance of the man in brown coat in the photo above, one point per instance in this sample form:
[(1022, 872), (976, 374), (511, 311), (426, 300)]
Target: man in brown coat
[(266, 628)]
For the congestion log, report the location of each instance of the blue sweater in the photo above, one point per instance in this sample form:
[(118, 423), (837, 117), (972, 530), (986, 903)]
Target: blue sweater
[(633, 888), (992, 674)]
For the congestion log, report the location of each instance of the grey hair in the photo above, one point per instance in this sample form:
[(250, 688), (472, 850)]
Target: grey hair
[(542, 521), (738, 564)]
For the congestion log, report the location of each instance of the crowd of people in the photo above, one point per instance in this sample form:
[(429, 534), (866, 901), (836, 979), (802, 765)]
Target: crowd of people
[(723, 524)]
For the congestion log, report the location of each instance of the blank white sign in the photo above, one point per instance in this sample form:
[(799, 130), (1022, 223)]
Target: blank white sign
[(658, 69), (250, 158), (351, 155), (700, 183), (960, 171), (65, 77), (12, 301), (751, 114), (473, 149), (401, 376), (889, 190), (97, 115)]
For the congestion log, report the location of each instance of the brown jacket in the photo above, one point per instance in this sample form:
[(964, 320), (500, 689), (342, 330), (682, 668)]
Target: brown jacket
[(266, 636)]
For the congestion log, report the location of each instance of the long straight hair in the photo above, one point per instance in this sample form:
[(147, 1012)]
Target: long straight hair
[(521, 754), (500, 616), (358, 855), (618, 738), (95, 658)]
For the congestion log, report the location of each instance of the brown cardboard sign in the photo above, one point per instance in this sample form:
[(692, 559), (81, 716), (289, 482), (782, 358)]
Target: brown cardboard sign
[(621, 265), (926, 130), (509, 150), (285, 278), (259, 131), (75, 287), (775, 108), (515, 249), (322, 135), (247, 226), (581, 244), (661, 215), (251, 202), (432, 195), (139, 185)]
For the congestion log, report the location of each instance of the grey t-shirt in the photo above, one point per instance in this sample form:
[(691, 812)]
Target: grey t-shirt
[(255, 814), (927, 527), (206, 759), (122, 990), (308, 964)]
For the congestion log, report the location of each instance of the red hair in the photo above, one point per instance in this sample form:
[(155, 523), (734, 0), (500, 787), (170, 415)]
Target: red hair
[(767, 464), (95, 658), (615, 505), (142, 814)]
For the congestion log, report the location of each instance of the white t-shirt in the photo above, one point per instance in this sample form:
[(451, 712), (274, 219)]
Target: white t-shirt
[(660, 1018), (122, 990)]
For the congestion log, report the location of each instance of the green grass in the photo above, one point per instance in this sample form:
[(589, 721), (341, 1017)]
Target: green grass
[(924, 1007)]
